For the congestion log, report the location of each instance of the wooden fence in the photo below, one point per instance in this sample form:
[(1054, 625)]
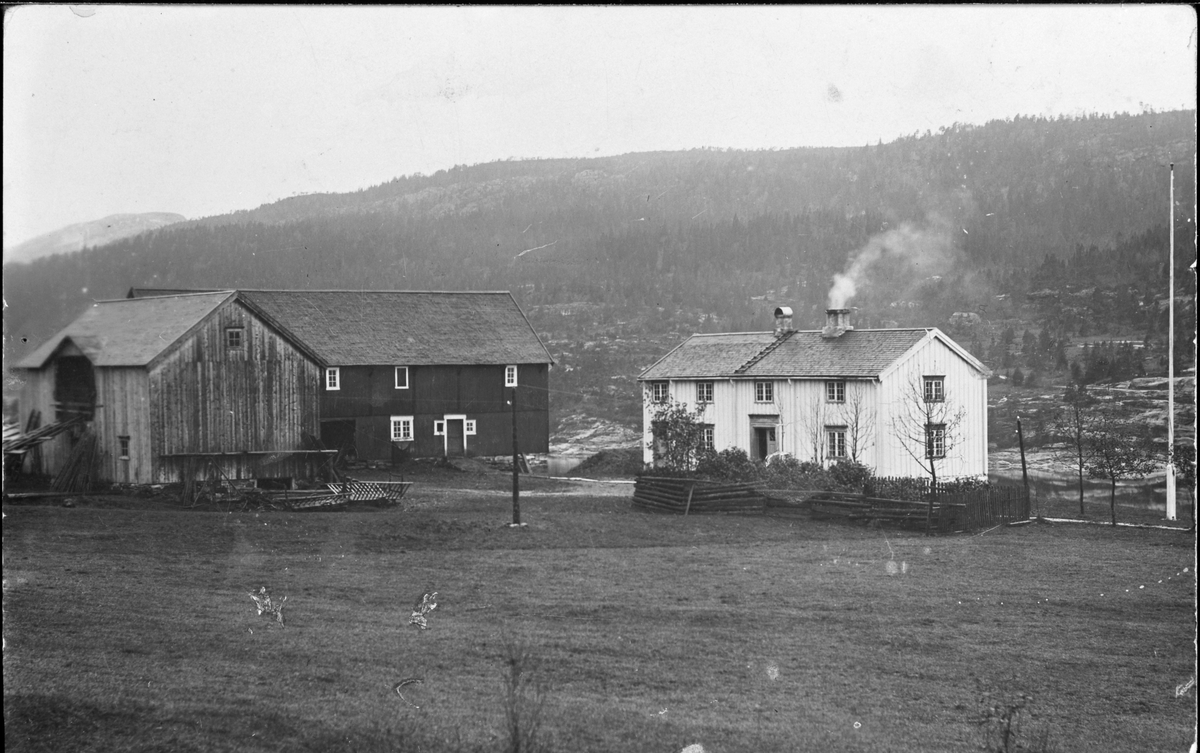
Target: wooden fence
[(953, 511), (686, 496), (960, 511)]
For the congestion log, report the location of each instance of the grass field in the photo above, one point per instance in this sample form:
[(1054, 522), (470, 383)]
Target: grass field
[(128, 627)]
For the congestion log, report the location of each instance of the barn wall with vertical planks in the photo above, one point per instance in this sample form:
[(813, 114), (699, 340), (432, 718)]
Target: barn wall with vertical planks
[(37, 393), (122, 410), (206, 396)]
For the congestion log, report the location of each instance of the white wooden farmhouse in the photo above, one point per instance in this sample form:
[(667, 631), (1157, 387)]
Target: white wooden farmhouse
[(888, 398)]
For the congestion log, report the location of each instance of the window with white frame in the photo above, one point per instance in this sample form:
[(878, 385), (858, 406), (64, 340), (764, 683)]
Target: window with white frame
[(402, 428), (935, 440), (704, 392), (439, 428), (707, 435), (835, 391), (401, 377), (235, 337), (935, 389), (835, 445), (510, 376), (469, 427), (764, 392), (333, 378), (659, 392)]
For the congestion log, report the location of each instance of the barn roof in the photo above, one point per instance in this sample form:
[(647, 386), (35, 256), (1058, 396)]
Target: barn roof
[(130, 332), (859, 353), (374, 327)]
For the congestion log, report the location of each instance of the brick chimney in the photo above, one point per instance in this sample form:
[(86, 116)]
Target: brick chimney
[(837, 323), (783, 320)]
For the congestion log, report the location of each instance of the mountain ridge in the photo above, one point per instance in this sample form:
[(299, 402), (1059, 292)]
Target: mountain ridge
[(81, 235)]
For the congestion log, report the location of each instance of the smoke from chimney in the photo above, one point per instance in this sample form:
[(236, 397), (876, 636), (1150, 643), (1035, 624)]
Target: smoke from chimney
[(931, 248)]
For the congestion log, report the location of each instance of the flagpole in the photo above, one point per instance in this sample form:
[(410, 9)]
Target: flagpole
[(1171, 365)]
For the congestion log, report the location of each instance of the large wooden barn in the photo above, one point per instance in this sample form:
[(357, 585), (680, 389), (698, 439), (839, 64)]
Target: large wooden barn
[(178, 382), (421, 374)]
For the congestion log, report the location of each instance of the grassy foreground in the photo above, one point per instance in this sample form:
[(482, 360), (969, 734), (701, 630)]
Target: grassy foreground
[(131, 629)]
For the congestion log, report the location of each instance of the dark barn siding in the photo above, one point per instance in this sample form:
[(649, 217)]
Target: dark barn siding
[(368, 395)]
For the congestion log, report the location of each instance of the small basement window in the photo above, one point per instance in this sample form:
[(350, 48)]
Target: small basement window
[(401, 377), (235, 337), (124, 441), (439, 428)]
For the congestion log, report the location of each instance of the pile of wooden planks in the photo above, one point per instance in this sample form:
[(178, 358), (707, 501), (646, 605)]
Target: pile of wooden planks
[(686, 496), (81, 471), (34, 437)]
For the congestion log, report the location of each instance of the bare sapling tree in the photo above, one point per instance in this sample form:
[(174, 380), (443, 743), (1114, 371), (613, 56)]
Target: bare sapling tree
[(678, 435), (1071, 424), (860, 421), (812, 423), (929, 426), (1116, 451)]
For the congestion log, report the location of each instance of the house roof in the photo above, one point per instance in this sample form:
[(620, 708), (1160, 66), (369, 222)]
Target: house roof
[(130, 332), (862, 353), (373, 327)]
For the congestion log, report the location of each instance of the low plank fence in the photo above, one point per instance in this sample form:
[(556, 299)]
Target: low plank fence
[(686, 496), (952, 512)]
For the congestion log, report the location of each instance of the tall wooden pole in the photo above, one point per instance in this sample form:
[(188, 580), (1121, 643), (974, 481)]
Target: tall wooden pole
[(1171, 364), (1024, 470), (516, 465)]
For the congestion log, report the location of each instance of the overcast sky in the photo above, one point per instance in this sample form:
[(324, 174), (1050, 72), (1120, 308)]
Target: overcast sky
[(207, 109)]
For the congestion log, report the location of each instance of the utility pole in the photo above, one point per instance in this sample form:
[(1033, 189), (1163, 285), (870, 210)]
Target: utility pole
[(516, 464), (1024, 470), (1171, 364)]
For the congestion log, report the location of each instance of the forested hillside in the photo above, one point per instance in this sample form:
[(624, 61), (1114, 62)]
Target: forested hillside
[(1058, 223)]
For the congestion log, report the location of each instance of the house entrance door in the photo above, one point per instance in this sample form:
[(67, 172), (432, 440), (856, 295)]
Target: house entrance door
[(454, 437), (763, 437), (764, 442)]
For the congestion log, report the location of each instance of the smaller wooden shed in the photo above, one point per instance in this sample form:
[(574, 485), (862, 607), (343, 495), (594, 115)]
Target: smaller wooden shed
[(178, 382)]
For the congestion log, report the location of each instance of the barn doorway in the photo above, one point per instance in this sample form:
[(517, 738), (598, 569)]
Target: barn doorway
[(340, 435), (74, 388), (455, 437)]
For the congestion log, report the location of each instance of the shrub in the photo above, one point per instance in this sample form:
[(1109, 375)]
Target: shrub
[(732, 464), (849, 475)]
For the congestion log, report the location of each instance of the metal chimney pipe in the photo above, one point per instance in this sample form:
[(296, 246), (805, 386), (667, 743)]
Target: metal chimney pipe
[(783, 320)]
